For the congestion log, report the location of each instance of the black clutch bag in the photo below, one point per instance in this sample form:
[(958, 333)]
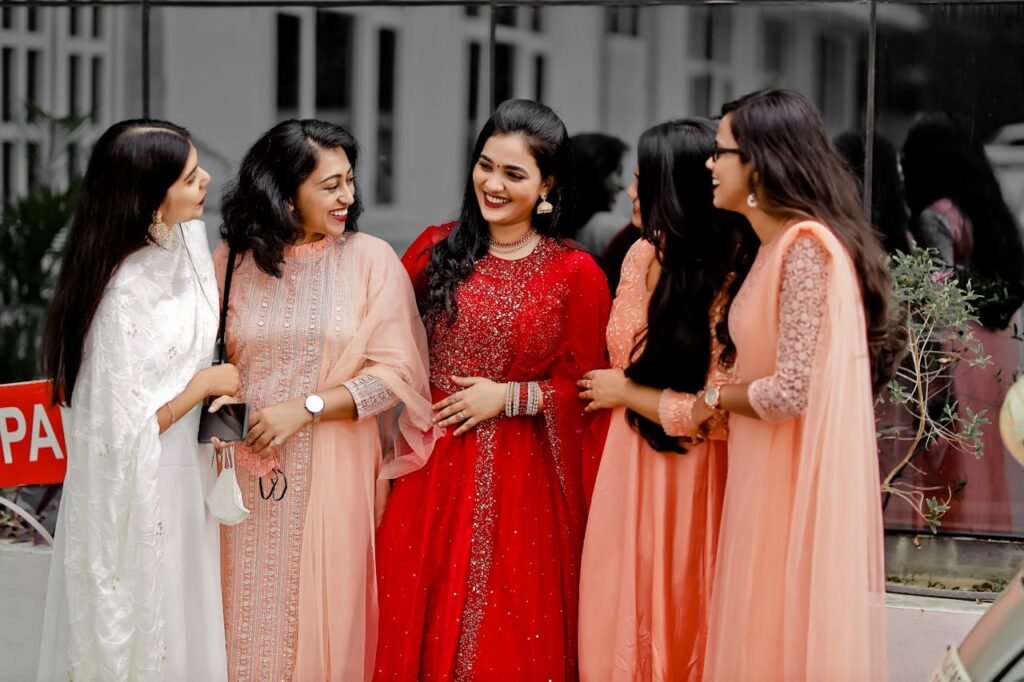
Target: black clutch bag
[(231, 422)]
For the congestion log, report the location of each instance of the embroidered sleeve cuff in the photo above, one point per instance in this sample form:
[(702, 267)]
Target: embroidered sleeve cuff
[(372, 396), (768, 404), (675, 410)]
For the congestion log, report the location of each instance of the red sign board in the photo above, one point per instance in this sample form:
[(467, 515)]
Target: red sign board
[(31, 435)]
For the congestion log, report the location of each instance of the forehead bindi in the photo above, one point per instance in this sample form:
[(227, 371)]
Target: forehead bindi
[(511, 153)]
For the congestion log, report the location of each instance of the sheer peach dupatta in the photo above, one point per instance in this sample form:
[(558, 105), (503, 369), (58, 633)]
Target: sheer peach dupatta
[(351, 462), (799, 586)]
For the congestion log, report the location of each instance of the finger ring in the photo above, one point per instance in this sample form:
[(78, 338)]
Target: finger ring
[(590, 384), (276, 443), (461, 415)]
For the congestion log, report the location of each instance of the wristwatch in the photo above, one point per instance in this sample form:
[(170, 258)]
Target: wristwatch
[(711, 397), (315, 406)]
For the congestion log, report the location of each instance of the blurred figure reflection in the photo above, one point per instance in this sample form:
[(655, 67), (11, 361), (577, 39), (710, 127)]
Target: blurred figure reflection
[(888, 212), (597, 170), (957, 208)]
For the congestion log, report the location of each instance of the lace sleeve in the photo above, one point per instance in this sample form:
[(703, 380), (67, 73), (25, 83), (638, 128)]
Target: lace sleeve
[(675, 410), (372, 396), (805, 272)]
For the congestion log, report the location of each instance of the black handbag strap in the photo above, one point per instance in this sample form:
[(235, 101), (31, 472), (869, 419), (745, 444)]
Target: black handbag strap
[(220, 352)]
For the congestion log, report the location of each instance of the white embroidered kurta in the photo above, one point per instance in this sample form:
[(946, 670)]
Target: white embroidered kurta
[(134, 591)]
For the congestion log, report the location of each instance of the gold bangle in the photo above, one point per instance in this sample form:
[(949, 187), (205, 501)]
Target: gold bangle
[(171, 410)]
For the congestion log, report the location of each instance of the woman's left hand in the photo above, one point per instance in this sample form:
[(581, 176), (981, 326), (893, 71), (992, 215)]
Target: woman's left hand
[(272, 426), (604, 388), (479, 400)]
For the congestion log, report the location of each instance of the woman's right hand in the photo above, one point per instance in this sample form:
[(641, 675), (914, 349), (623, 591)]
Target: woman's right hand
[(218, 380)]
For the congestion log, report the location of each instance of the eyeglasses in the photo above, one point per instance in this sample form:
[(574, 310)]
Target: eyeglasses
[(718, 151)]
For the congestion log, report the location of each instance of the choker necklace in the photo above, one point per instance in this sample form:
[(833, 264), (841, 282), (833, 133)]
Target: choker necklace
[(506, 248)]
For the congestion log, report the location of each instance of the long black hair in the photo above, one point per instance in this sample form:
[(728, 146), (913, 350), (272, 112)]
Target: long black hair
[(888, 212), (700, 249), (452, 259), (256, 210), (943, 160), (132, 166), (801, 174)]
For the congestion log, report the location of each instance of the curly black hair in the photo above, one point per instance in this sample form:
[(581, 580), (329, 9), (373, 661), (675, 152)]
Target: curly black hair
[(257, 210)]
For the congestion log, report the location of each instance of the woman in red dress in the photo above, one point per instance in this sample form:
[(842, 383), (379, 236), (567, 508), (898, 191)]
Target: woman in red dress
[(479, 551)]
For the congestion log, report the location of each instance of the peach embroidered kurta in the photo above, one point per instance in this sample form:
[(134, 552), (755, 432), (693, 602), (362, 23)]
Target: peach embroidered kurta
[(649, 550), (299, 575), (799, 577)]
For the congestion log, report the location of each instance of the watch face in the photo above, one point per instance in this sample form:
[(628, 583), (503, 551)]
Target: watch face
[(315, 404), (711, 397)]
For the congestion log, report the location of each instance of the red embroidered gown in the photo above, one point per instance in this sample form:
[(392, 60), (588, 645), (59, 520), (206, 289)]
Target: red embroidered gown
[(478, 553)]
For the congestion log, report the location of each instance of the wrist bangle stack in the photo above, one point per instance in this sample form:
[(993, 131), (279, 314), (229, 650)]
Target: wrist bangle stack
[(519, 402)]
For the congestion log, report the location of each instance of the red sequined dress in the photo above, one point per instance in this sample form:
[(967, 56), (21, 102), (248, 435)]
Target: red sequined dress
[(478, 553)]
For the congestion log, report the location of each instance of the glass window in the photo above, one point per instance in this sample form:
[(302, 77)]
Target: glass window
[(7, 17), (72, 160), (334, 66), (97, 22), (537, 19), (32, 81), (539, 72), (473, 73), (830, 65), (506, 16), (32, 166), (73, 19), (73, 81), (504, 72), (288, 27), (384, 183), (950, 125), (96, 85), (7, 182), (33, 18), (7, 89)]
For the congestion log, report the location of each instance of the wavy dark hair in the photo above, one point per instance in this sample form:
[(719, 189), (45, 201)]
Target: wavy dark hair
[(452, 259), (257, 215), (595, 156), (943, 160), (888, 212), (700, 248), (132, 166), (802, 175)]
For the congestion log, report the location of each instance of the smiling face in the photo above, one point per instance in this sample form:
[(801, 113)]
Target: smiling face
[(633, 192), (508, 182), (323, 199), (730, 175), (184, 199)]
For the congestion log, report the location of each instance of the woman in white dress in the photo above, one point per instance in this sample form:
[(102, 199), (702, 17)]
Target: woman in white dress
[(134, 591)]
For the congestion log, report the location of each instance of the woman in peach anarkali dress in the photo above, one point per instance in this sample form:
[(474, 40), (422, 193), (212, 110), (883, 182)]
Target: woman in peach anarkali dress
[(649, 550), (799, 578), (323, 326)]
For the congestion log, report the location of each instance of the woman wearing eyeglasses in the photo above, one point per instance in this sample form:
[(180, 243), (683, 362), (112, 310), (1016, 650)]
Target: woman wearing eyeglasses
[(799, 583)]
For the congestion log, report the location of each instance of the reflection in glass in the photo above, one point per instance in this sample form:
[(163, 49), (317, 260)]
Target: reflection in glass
[(944, 89)]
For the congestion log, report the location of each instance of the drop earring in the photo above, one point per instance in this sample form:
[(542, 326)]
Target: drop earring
[(752, 200), (544, 207), (161, 233)]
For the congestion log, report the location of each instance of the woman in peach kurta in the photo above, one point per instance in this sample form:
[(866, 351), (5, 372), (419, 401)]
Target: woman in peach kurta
[(337, 321), (649, 550), (799, 578)]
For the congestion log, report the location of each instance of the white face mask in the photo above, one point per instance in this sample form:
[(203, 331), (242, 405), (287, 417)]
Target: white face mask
[(225, 500)]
